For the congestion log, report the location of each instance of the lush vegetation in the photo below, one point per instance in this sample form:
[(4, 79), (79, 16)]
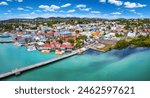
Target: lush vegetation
[(140, 41), (119, 35), (80, 41), (71, 41), (121, 44)]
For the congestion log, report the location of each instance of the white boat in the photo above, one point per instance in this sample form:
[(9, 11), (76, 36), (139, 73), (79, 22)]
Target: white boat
[(31, 48), (59, 52), (45, 51), (17, 44)]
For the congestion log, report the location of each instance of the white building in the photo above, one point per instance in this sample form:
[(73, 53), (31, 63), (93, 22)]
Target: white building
[(131, 34)]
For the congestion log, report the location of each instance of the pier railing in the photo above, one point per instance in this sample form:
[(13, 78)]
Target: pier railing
[(6, 41)]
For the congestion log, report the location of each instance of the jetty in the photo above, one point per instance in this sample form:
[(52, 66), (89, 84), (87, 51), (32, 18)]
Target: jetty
[(20, 70), (6, 41)]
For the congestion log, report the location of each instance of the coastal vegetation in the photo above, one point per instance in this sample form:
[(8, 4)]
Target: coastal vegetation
[(140, 41), (121, 44)]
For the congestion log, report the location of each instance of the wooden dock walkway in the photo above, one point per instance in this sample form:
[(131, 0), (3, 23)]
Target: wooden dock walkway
[(6, 41), (18, 71)]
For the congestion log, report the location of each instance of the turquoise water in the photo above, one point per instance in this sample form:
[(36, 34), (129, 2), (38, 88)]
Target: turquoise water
[(127, 64)]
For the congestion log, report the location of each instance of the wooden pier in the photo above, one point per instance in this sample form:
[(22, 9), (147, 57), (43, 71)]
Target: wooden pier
[(20, 70), (6, 41)]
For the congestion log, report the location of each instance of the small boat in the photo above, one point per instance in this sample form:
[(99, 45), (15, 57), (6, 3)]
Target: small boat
[(45, 51), (59, 52), (31, 48), (17, 44)]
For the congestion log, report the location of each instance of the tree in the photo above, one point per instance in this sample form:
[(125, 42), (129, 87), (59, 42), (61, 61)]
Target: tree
[(71, 41), (60, 41), (78, 45), (127, 27), (121, 44)]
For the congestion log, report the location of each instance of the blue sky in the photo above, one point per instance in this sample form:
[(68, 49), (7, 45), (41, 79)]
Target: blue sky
[(74, 8)]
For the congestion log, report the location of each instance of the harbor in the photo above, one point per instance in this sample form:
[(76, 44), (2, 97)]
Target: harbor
[(91, 65), (20, 70)]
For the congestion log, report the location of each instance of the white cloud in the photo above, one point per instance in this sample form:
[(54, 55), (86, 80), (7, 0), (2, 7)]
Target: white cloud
[(5, 13), (132, 10), (38, 10), (95, 12), (32, 13), (49, 8), (66, 5), (20, 8), (3, 3), (19, 0), (133, 5), (116, 13), (83, 7), (15, 0), (9, 11), (61, 11), (102, 0), (116, 2), (71, 11), (28, 7)]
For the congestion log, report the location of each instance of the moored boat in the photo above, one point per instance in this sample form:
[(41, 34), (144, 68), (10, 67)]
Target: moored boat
[(45, 51), (59, 52), (31, 48), (17, 44)]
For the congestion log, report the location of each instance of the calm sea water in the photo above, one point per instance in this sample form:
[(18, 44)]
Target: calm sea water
[(127, 64)]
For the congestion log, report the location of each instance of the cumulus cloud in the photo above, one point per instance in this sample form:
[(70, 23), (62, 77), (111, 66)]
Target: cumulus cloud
[(28, 7), (71, 11), (133, 5), (20, 8), (3, 3), (116, 2), (49, 8), (132, 10), (116, 13), (19, 0), (15, 0), (102, 0), (9, 11), (66, 5), (83, 7)]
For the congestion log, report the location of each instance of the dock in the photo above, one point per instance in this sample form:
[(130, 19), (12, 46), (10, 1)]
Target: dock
[(6, 41), (20, 70)]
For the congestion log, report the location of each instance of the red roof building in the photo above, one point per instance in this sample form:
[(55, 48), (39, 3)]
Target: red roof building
[(47, 45)]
